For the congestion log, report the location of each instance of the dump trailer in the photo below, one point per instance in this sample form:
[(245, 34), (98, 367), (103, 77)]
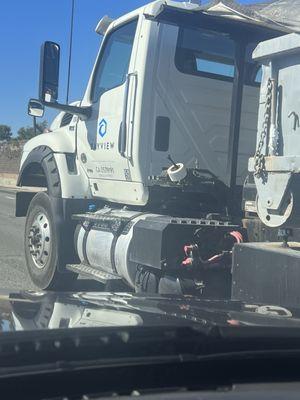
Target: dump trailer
[(144, 175), (269, 272)]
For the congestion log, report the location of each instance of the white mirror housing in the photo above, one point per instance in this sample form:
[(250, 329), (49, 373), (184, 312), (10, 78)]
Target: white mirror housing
[(35, 108)]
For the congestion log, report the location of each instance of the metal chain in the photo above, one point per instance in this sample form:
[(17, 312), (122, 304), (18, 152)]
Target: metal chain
[(259, 157)]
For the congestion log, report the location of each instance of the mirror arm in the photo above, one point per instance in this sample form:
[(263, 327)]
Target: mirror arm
[(83, 112)]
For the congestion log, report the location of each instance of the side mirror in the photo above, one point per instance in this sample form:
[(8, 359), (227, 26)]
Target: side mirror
[(48, 88), (35, 108), (49, 72)]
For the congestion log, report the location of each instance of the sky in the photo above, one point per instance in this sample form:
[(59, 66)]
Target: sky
[(24, 25)]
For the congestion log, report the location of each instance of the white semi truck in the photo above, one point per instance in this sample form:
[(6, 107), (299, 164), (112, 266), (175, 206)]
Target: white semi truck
[(144, 174)]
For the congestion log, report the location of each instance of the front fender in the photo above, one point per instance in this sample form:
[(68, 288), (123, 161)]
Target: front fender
[(44, 168), (39, 168), (59, 141)]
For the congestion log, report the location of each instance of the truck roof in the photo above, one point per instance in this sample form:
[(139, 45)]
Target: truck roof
[(275, 15)]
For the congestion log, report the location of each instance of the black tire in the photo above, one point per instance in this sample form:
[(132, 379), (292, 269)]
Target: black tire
[(48, 271)]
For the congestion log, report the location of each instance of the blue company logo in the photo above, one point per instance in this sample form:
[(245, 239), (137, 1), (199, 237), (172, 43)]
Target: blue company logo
[(102, 127)]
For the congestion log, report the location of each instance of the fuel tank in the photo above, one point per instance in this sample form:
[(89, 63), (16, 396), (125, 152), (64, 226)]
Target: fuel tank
[(143, 248), (105, 241)]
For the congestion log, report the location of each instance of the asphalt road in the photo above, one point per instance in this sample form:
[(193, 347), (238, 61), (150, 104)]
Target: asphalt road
[(13, 274), (12, 263)]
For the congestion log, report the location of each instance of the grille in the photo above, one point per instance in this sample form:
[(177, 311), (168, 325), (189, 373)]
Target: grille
[(66, 119)]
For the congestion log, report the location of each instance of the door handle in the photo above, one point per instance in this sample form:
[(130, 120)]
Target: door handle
[(122, 139), (123, 126), (133, 91)]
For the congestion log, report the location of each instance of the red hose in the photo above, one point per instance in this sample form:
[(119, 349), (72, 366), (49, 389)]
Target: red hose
[(237, 235), (189, 248)]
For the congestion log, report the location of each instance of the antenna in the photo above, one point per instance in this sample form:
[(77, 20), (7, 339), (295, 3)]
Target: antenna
[(70, 49)]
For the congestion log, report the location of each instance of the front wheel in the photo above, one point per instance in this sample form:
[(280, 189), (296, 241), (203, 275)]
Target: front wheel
[(47, 246)]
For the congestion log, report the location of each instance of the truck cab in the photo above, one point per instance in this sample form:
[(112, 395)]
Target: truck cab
[(165, 127), (165, 82), (165, 88)]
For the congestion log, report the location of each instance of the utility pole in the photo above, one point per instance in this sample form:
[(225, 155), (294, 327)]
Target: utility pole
[(70, 49), (34, 125)]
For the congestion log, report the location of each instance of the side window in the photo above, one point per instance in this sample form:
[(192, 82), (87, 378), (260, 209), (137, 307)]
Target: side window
[(258, 76), (215, 66), (212, 54), (206, 53), (114, 61), (253, 70)]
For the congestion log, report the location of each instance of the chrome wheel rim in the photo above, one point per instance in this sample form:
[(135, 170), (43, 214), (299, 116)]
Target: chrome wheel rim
[(39, 240)]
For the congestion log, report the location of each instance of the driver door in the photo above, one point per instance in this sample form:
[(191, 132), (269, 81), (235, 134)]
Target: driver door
[(102, 139)]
